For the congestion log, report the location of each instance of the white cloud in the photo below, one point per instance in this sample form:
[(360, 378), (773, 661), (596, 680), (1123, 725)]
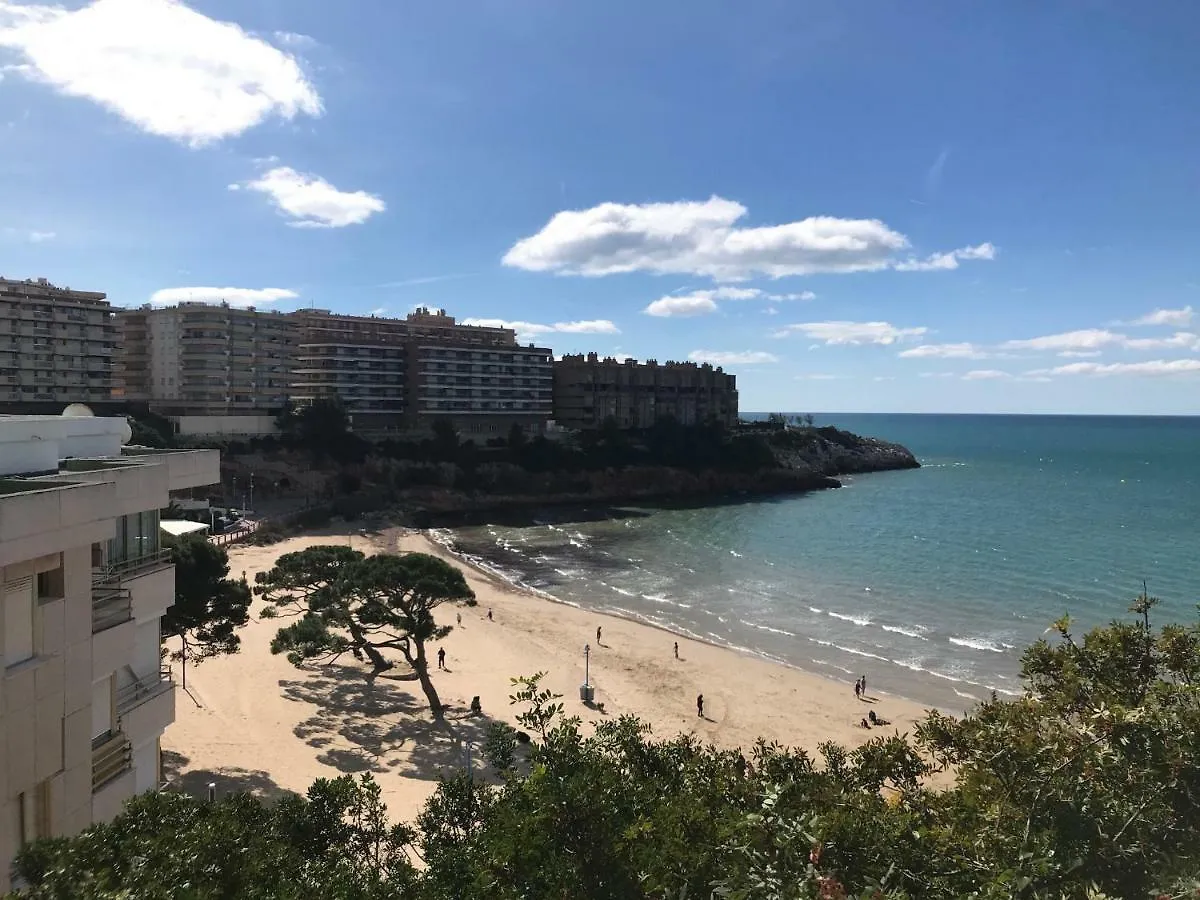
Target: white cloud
[(945, 351), (292, 39), (38, 237), (701, 238), (1178, 318), (231, 295), (534, 329), (852, 332), (161, 66), (378, 311), (985, 375), (733, 358), (312, 202), (947, 261), (687, 305), (1156, 367), (733, 293), (1086, 339), (1180, 340), (1079, 354)]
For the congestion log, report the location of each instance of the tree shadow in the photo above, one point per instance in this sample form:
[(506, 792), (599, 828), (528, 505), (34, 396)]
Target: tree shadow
[(228, 779), (379, 725)]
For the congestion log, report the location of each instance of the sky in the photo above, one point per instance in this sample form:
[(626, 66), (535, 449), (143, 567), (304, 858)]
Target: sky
[(853, 206)]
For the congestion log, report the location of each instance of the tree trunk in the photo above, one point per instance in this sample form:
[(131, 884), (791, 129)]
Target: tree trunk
[(421, 667), (372, 652)]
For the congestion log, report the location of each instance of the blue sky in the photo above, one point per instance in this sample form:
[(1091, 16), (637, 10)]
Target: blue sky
[(931, 206)]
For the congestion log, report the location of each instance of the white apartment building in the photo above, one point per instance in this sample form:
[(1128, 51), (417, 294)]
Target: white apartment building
[(83, 697)]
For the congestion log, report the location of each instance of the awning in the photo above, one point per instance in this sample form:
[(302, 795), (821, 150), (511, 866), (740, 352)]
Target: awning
[(179, 527)]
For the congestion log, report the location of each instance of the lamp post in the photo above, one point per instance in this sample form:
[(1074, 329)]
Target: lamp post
[(587, 653)]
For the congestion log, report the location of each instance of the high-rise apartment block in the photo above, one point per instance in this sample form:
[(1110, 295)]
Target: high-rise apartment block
[(590, 389), (83, 698), (228, 366), (218, 369), (56, 344)]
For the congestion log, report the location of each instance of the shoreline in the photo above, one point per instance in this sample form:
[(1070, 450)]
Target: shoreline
[(253, 721), (483, 569)]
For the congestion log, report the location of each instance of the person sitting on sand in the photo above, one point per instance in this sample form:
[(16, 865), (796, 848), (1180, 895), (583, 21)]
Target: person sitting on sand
[(476, 706), (874, 719), (866, 724)]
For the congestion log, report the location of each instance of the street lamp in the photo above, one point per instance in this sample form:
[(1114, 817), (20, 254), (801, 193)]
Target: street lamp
[(586, 691)]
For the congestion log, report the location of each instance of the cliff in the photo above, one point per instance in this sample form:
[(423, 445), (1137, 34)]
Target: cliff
[(803, 460), (683, 467)]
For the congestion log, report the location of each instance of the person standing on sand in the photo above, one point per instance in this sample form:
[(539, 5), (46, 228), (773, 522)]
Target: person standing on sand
[(490, 619), (700, 705), (458, 617), (677, 649), (597, 635), (857, 689), (441, 657), (864, 686)]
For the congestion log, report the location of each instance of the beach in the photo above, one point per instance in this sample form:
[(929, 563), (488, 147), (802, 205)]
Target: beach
[(253, 721)]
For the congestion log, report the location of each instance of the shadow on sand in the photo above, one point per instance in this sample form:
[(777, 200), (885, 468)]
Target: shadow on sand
[(228, 779), (382, 724)]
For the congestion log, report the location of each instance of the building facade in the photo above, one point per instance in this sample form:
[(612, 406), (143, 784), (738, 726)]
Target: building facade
[(402, 375), (588, 389), (83, 699), (210, 361), (56, 344)]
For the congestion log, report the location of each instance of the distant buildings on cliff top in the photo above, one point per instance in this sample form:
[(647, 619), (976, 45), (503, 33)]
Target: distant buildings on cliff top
[(222, 370)]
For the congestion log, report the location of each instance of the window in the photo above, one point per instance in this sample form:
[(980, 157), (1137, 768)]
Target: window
[(18, 621)]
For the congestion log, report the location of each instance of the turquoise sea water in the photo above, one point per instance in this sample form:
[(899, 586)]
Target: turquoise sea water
[(929, 581)]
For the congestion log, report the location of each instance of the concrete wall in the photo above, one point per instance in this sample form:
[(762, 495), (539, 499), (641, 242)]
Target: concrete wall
[(225, 426)]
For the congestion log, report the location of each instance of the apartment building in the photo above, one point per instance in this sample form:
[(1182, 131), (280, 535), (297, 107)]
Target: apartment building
[(56, 344), (83, 697), (214, 368), (589, 389), (401, 375)]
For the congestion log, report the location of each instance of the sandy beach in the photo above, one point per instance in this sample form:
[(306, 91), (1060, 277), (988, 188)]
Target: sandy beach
[(254, 721)]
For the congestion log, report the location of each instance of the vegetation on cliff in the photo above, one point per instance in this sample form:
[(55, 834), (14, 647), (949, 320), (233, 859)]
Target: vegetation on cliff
[(1088, 787)]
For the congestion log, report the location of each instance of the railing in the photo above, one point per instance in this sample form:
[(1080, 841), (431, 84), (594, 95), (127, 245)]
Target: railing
[(135, 565), (143, 689), (112, 757), (112, 605)]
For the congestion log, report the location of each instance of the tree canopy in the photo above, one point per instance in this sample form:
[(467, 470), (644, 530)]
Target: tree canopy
[(209, 606), (360, 604), (1087, 787)]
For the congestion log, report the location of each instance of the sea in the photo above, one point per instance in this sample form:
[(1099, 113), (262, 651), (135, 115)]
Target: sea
[(931, 582)]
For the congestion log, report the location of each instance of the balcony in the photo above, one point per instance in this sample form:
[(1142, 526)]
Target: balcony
[(146, 706), (132, 567), (112, 757), (112, 605)]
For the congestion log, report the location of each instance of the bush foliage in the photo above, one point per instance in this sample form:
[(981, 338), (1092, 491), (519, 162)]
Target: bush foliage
[(1086, 787)]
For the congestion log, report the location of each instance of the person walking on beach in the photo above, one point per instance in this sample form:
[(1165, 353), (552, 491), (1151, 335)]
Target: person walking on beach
[(458, 617), (700, 705), (598, 644), (677, 649), (490, 619), (441, 657)]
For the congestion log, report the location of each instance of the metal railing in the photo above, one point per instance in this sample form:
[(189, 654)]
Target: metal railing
[(143, 689), (135, 565), (112, 757), (112, 605)]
